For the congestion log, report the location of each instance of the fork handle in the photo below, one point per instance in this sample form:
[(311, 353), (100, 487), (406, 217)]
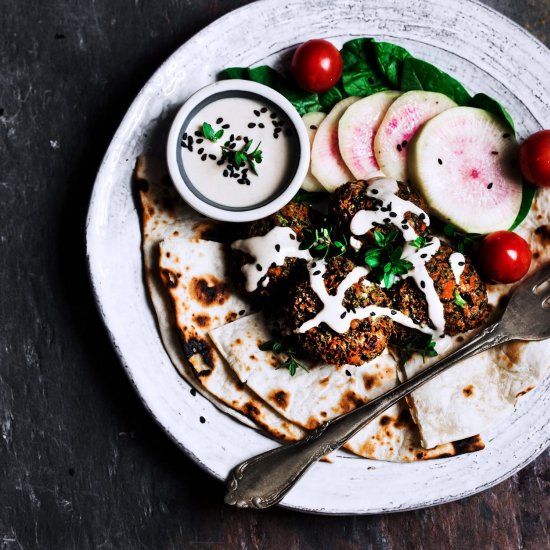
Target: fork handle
[(262, 481)]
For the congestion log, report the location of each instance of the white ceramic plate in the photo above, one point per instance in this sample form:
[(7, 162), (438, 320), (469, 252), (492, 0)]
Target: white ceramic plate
[(480, 47)]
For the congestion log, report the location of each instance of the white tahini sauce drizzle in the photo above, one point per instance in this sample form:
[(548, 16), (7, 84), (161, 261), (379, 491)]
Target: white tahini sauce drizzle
[(338, 317), (392, 210), (457, 261), (271, 248)]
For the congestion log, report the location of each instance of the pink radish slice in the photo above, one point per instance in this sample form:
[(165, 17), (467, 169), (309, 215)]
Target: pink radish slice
[(312, 121), (462, 161), (327, 164), (356, 131), (405, 115)]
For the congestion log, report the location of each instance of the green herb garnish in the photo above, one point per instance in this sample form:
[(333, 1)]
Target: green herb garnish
[(209, 133), (385, 258), (459, 300), (417, 343), (420, 242), (291, 363), (463, 241), (244, 155), (324, 243)]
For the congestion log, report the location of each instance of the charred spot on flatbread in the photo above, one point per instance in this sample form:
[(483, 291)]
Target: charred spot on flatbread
[(385, 420), (468, 445), (231, 316), (202, 320), (350, 400), (208, 290), (195, 345), (543, 233), (170, 278), (280, 397), (468, 391)]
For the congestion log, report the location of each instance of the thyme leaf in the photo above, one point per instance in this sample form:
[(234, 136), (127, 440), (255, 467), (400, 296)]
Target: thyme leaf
[(243, 156), (290, 363), (324, 242)]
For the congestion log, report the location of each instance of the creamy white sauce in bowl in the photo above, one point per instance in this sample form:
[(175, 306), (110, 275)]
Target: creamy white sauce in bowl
[(249, 162)]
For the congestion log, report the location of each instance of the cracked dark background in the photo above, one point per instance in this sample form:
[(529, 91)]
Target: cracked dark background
[(82, 465)]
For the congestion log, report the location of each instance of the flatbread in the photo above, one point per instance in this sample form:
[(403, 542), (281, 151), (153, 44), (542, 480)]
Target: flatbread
[(480, 392), (325, 392), (165, 216)]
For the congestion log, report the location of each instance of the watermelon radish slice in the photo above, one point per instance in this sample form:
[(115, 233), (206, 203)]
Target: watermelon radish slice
[(356, 131), (312, 121), (327, 164), (405, 115), (463, 162)]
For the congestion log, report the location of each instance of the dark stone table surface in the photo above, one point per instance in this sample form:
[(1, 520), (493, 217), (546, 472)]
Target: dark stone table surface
[(82, 465)]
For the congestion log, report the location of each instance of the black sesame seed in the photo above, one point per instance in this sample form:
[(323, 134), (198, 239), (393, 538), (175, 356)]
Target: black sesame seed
[(386, 220), (190, 147), (242, 312), (490, 185), (393, 215), (252, 125), (460, 264), (439, 161), (348, 373), (275, 135), (278, 247), (494, 152), (203, 158), (405, 226), (184, 136), (261, 125), (423, 255), (313, 264), (190, 140), (275, 123), (200, 140), (213, 157), (198, 134), (292, 237), (183, 144), (372, 314), (421, 215), (273, 264), (225, 173), (404, 143), (273, 115), (393, 312), (193, 392), (220, 162), (225, 126), (422, 284), (343, 315), (442, 336), (318, 272), (202, 420), (256, 112), (374, 191), (263, 110), (200, 151), (312, 127), (399, 148), (219, 120), (232, 137), (259, 267)]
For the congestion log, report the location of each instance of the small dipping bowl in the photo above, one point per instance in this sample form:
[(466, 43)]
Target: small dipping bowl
[(206, 172)]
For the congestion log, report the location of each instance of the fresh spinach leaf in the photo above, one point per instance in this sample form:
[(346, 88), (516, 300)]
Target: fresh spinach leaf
[(421, 75), (331, 97), (487, 103), (360, 76), (389, 60)]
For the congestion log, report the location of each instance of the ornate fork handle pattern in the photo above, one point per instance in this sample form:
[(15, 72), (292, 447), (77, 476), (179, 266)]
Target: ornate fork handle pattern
[(262, 481)]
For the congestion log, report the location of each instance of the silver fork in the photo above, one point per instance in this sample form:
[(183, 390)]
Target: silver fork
[(262, 481)]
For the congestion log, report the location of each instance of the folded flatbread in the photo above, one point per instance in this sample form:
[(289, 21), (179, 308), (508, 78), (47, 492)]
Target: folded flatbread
[(165, 216)]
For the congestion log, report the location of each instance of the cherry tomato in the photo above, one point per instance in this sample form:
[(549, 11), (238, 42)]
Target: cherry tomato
[(534, 158), (316, 65), (504, 257)]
